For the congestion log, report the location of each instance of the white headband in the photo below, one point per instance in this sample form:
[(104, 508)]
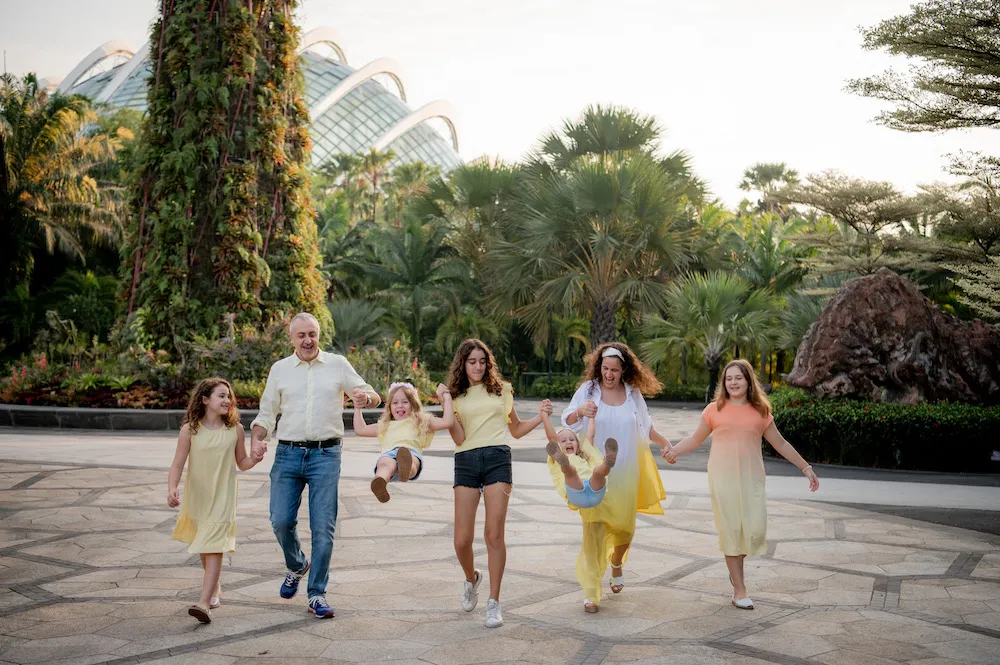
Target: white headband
[(612, 351)]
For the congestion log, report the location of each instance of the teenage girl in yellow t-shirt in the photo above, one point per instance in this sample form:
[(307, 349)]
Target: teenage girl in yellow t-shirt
[(403, 432), (484, 412)]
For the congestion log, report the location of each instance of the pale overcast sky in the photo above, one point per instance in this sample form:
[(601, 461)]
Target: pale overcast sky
[(732, 81)]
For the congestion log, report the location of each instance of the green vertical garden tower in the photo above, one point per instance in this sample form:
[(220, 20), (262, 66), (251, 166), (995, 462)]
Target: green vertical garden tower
[(222, 227)]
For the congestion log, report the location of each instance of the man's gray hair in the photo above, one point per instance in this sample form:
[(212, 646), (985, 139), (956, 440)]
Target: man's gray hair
[(302, 316)]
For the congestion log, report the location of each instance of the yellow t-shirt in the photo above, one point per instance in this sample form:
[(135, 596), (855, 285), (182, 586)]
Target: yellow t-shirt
[(484, 417), (404, 433)]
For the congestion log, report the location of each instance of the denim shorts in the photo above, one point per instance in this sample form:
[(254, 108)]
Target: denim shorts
[(587, 497), (480, 467), (392, 455)]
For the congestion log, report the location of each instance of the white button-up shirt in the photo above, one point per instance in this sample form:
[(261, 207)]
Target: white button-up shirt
[(309, 396)]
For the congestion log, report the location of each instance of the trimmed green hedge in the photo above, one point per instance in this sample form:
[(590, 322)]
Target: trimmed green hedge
[(927, 437)]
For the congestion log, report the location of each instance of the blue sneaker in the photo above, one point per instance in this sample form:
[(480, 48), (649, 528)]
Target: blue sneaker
[(291, 584), (318, 606)]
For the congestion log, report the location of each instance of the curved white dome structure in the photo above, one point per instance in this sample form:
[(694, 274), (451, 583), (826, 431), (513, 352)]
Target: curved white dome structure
[(351, 111)]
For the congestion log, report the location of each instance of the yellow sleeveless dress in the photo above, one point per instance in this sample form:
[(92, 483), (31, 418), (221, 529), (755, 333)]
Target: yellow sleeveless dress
[(207, 520)]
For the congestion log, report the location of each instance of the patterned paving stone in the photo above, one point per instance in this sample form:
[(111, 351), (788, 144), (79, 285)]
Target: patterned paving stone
[(88, 574)]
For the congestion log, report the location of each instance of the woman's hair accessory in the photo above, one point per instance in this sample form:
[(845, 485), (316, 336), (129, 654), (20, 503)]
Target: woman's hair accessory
[(401, 384), (612, 351)]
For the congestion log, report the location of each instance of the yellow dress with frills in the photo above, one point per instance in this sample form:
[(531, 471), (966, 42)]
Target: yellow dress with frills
[(207, 520)]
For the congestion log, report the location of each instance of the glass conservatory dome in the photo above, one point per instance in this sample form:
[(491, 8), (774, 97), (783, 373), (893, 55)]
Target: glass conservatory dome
[(352, 110)]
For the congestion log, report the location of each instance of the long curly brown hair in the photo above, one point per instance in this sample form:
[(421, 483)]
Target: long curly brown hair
[(634, 373), (458, 381), (755, 392), (196, 408)]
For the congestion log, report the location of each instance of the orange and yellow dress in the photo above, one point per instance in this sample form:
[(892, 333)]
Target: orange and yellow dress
[(736, 477)]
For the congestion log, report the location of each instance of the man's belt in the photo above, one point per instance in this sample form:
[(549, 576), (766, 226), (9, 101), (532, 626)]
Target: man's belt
[(325, 443)]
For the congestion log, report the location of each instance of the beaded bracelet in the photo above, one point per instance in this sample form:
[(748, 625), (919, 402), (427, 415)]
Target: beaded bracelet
[(807, 468)]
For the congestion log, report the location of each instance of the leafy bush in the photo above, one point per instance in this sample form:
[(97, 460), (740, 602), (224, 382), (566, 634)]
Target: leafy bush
[(931, 437), (246, 357), (560, 386), (682, 393), (248, 393)]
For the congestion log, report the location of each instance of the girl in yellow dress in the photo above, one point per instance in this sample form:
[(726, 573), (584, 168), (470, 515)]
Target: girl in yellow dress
[(213, 438), (403, 432), (616, 379), (737, 419)]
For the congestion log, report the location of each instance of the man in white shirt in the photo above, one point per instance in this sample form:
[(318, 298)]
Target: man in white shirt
[(307, 390)]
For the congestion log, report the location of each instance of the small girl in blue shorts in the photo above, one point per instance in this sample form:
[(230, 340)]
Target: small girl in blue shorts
[(403, 431), (580, 466)]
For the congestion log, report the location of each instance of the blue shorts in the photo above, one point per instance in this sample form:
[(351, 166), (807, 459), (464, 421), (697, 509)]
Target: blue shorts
[(392, 455), (587, 497)]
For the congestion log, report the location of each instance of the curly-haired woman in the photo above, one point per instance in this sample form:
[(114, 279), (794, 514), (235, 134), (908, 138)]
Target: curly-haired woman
[(484, 412), (610, 392)]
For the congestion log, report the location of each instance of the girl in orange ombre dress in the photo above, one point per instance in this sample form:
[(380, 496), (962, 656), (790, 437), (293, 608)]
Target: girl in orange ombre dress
[(737, 419)]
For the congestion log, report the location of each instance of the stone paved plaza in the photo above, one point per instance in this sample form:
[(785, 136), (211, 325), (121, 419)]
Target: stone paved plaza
[(88, 574)]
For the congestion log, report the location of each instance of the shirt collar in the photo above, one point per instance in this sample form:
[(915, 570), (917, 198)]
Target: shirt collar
[(322, 357)]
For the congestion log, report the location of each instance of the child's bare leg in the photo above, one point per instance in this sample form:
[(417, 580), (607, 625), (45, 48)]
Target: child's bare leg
[(569, 473), (415, 467), (602, 470), (384, 469), (217, 593), (213, 571)]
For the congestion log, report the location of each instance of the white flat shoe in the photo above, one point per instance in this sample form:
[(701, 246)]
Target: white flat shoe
[(215, 603), (743, 603)]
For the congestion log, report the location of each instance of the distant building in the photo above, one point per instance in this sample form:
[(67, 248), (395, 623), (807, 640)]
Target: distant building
[(351, 110)]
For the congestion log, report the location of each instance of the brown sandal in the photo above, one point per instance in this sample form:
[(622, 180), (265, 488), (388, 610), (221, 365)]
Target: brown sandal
[(200, 614), (379, 489)]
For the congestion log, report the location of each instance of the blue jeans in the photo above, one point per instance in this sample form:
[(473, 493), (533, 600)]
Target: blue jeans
[(293, 469)]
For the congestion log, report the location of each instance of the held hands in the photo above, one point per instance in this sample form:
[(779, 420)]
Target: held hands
[(545, 411), (360, 398), (588, 410), (668, 454), (442, 393), (258, 448), (173, 498)]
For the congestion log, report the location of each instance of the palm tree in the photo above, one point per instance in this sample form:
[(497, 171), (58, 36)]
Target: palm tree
[(766, 258), (414, 262), (47, 185), (474, 201), (767, 178), (373, 171), (406, 183), (599, 225), (713, 313), (465, 321), (599, 133), (357, 323)]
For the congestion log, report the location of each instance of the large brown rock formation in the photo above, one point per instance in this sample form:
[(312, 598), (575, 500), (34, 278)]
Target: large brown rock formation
[(879, 338)]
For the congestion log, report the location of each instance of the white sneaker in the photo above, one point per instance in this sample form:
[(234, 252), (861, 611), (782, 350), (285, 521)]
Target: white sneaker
[(494, 619), (470, 594)]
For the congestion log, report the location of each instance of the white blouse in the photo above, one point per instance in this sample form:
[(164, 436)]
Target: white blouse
[(628, 423)]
